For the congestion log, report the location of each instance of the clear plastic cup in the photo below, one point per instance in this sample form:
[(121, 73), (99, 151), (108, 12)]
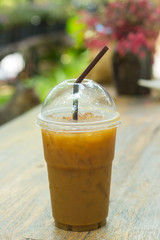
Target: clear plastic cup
[(79, 153)]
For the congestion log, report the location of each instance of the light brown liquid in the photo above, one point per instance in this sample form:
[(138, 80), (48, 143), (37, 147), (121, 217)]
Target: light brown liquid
[(79, 170)]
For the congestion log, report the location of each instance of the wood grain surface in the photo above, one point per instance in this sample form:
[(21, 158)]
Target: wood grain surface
[(25, 210)]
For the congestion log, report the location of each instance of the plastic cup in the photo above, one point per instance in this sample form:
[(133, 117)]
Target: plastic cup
[(79, 153)]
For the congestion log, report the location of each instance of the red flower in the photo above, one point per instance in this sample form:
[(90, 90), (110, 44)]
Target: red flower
[(134, 24)]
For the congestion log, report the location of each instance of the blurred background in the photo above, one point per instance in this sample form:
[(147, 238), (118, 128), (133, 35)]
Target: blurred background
[(45, 42)]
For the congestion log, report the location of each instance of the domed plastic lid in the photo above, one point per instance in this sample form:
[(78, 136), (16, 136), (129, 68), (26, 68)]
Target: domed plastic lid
[(96, 108)]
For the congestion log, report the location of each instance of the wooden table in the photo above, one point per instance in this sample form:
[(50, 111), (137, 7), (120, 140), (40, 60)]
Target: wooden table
[(25, 210)]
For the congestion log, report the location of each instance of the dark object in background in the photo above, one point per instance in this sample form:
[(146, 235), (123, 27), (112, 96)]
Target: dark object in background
[(19, 33), (22, 100), (128, 70)]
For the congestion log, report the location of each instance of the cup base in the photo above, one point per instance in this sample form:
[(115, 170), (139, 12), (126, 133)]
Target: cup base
[(80, 228)]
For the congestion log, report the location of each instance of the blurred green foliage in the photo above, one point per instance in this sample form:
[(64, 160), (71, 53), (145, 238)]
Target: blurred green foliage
[(5, 98), (75, 28), (67, 65), (71, 65), (23, 14)]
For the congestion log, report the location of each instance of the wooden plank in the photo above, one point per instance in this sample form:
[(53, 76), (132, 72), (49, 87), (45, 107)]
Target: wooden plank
[(25, 211)]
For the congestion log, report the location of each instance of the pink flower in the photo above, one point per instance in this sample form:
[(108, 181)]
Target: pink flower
[(96, 43), (133, 9), (134, 24)]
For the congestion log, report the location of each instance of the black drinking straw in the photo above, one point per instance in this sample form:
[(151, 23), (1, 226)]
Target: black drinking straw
[(81, 77)]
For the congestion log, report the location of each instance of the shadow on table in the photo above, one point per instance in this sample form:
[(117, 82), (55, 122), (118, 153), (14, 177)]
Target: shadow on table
[(60, 234)]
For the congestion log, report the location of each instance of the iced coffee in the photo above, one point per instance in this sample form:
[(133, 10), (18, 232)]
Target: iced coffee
[(79, 157)]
